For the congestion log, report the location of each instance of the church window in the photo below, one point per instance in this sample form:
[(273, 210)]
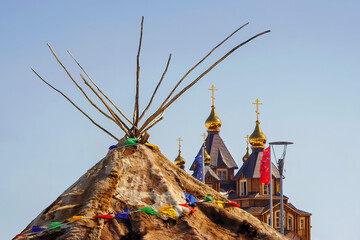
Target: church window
[(302, 223), (277, 219), (243, 190), (222, 174), (266, 189), (290, 222)]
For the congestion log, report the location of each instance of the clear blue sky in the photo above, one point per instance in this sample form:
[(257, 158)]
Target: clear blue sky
[(306, 72)]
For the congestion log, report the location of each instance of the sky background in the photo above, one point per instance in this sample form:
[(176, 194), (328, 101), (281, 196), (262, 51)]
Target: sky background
[(306, 73)]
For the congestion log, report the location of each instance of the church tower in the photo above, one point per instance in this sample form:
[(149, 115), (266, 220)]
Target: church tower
[(179, 160), (220, 170), (254, 197)]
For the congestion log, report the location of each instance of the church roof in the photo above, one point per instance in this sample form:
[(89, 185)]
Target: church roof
[(254, 210), (264, 209), (298, 210), (251, 167), (289, 205), (208, 173), (219, 154)]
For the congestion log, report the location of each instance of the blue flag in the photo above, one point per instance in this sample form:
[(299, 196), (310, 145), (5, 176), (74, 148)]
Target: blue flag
[(200, 173), (190, 198), (36, 229), (123, 215)]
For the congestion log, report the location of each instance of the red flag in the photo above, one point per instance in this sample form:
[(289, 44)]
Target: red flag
[(187, 206), (107, 216), (19, 235), (265, 167), (233, 204)]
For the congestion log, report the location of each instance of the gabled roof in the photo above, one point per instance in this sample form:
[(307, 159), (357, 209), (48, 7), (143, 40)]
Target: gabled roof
[(265, 209), (298, 210), (251, 167), (219, 154), (208, 173), (289, 205)]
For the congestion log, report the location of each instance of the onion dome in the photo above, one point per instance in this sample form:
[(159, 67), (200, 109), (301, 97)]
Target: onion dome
[(246, 156), (213, 122), (180, 161), (257, 138), (206, 157)]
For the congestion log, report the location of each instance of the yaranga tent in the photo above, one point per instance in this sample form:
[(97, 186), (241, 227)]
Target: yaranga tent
[(134, 192)]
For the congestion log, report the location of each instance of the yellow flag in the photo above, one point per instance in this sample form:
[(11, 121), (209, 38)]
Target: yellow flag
[(152, 146), (169, 210), (220, 203), (74, 218)]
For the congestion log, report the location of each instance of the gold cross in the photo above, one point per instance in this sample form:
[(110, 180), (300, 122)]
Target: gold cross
[(179, 143), (213, 89), (247, 140), (257, 102), (204, 135)]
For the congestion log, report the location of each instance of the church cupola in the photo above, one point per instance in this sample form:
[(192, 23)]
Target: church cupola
[(179, 160), (257, 138), (213, 122), (206, 155), (247, 154)]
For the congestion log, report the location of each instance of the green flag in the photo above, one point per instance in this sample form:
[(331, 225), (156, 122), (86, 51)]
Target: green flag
[(131, 141), (208, 198), (148, 210), (54, 225)]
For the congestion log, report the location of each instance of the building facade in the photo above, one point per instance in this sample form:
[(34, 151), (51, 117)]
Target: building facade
[(244, 187)]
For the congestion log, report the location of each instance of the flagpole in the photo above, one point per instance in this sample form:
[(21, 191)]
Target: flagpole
[(203, 163), (271, 190)]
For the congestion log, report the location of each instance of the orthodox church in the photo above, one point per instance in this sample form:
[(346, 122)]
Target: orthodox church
[(244, 187)]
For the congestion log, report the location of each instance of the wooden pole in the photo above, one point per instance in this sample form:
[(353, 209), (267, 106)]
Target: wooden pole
[(96, 124)]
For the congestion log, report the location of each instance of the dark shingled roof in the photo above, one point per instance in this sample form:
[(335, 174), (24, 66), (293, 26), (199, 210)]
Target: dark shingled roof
[(219, 154), (251, 167)]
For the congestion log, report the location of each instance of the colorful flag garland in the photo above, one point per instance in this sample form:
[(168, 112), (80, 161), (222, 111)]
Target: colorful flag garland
[(168, 210)]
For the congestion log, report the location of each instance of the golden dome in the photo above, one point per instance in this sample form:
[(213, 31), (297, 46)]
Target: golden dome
[(206, 157), (180, 161), (213, 122), (246, 156), (257, 138)]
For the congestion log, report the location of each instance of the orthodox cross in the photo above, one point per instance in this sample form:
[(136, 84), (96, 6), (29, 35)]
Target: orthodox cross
[(213, 89), (257, 102), (204, 135), (247, 140), (179, 143)]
